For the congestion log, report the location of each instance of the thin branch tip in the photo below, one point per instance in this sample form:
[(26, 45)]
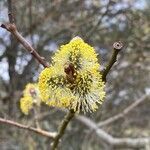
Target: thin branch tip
[(3, 26), (11, 27), (47, 134), (118, 45)]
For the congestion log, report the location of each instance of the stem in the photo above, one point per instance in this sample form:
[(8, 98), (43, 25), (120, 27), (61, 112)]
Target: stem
[(117, 47), (62, 128)]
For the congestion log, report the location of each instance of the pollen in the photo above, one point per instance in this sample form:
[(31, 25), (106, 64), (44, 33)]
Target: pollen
[(73, 81)]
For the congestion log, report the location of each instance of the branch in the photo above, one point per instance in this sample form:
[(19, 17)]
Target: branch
[(123, 113), (35, 130), (11, 27), (91, 32), (62, 128), (117, 47), (115, 142), (10, 11)]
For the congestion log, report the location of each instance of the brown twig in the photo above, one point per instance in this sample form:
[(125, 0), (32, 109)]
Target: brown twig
[(11, 27), (35, 130), (10, 12), (117, 46)]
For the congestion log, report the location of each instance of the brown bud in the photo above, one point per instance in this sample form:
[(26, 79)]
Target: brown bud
[(69, 68)]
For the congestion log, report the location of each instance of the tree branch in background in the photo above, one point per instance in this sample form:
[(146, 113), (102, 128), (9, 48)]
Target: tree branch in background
[(112, 141), (35, 130), (11, 27), (117, 47), (123, 113), (91, 32), (10, 12)]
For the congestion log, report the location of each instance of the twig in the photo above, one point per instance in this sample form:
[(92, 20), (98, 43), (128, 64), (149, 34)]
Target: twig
[(91, 32), (62, 128), (117, 47), (11, 27), (123, 113), (10, 12), (115, 142), (35, 130)]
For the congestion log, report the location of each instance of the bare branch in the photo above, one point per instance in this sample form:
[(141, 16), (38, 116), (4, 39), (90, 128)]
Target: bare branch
[(10, 12), (35, 130), (123, 113), (115, 142), (117, 47), (13, 30)]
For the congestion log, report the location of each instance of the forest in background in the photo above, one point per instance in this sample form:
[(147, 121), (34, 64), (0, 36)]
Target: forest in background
[(47, 25)]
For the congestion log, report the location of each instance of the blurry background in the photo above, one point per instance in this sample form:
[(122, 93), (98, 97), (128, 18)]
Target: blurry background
[(49, 23)]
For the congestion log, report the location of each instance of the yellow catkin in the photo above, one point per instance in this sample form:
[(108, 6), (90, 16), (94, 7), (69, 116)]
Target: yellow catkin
[(31, 95), (87, 89), (26, 104)]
